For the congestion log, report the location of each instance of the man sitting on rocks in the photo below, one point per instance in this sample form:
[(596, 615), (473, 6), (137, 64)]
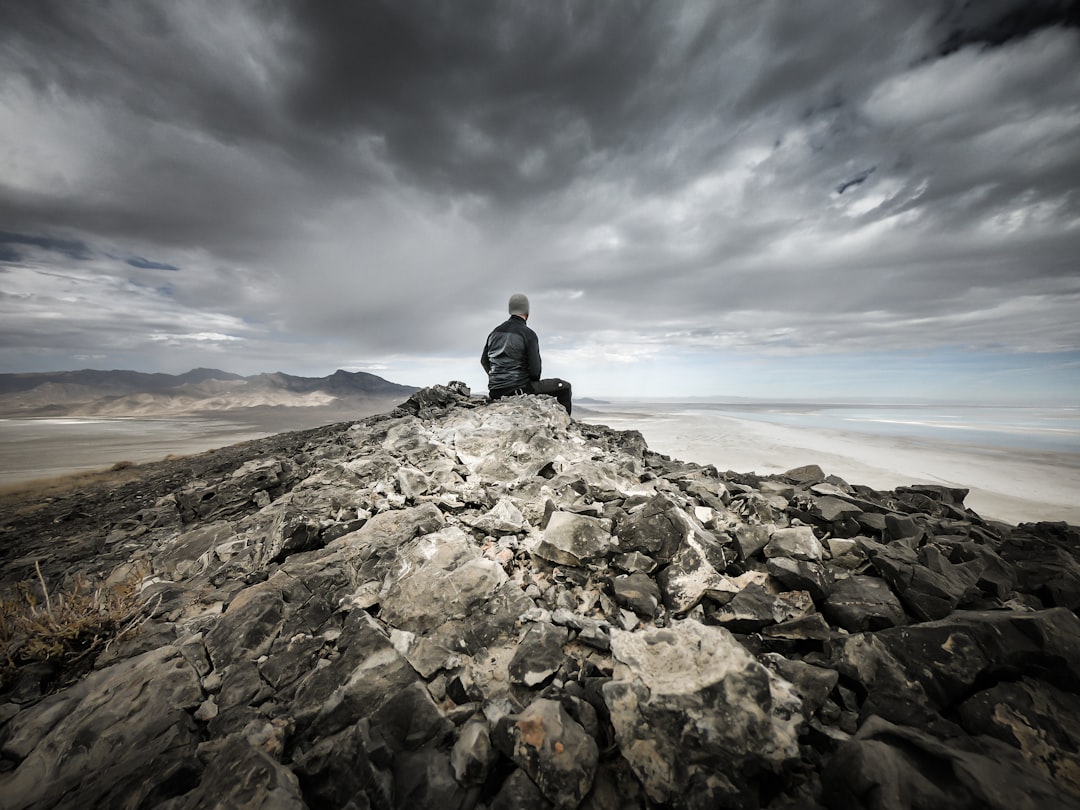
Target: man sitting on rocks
[(511, 359)]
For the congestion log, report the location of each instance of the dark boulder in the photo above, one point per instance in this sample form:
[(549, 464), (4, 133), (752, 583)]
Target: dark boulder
[(890, 767), (859, 603)]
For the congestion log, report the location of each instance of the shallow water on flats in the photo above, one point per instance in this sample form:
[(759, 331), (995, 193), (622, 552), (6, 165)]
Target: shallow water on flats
[(1029, 428), (1021, 464)]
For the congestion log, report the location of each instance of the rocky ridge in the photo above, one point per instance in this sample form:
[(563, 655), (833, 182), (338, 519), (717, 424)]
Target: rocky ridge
[(468, 605)]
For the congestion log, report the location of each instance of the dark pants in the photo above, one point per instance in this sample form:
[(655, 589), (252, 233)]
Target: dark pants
[(560, 389)]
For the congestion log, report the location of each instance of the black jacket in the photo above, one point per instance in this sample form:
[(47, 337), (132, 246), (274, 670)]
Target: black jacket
[(511, 355)]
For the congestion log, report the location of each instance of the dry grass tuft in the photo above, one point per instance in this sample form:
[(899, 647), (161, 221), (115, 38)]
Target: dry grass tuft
[(65, 629)]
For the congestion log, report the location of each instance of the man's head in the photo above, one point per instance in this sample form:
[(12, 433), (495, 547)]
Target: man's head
[(519, 305)]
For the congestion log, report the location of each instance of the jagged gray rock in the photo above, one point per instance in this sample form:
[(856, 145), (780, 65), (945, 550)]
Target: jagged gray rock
[(470, 604), (929, 586), (859, 603), (694, 573), (113, 737), (638, 592), (889, 767), (695, 682), (552, 748), (574, 539), (539, 654)]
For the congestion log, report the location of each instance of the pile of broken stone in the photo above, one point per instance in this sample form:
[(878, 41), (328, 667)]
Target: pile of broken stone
[(469, 604)]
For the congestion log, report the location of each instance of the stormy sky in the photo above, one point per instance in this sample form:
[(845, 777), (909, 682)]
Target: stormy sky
[(765, 199)]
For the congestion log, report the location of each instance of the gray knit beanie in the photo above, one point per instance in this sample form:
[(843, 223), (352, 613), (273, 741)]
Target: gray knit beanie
[(519, 304)]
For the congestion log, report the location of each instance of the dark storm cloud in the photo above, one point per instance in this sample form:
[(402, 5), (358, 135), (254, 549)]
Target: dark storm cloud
[(178, 105), (71, 248), (376, 177), (995, 22), (505, 99), (145, 57)]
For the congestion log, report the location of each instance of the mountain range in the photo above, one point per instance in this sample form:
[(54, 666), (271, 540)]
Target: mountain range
[(91, 392)]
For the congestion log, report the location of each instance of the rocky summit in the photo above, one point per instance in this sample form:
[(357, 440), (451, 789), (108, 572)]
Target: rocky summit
[(462, 604)]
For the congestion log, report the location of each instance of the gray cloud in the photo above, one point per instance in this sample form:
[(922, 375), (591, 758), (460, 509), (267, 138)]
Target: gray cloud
[(327, 182)]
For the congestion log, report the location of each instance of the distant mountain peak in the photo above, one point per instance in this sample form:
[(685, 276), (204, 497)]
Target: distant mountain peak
[(122, 393)]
